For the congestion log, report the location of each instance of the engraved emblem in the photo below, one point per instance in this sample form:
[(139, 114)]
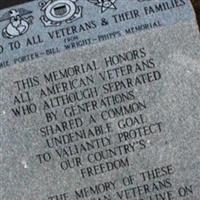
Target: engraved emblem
[(104, 4), (18, 25), (58, 11)]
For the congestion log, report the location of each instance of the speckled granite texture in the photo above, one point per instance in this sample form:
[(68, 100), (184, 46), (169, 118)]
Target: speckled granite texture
[(118, 120), (156, 140)]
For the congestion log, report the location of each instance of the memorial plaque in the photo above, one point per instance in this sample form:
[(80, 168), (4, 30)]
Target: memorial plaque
[(35, 29), (117, 120)]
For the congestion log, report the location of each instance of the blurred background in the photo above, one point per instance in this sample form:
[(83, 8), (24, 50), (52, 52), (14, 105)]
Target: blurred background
[(7, 3), (196, 4)]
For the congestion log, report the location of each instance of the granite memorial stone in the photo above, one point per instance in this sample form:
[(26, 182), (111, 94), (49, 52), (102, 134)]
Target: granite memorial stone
[(38, 28), (118, 120)]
